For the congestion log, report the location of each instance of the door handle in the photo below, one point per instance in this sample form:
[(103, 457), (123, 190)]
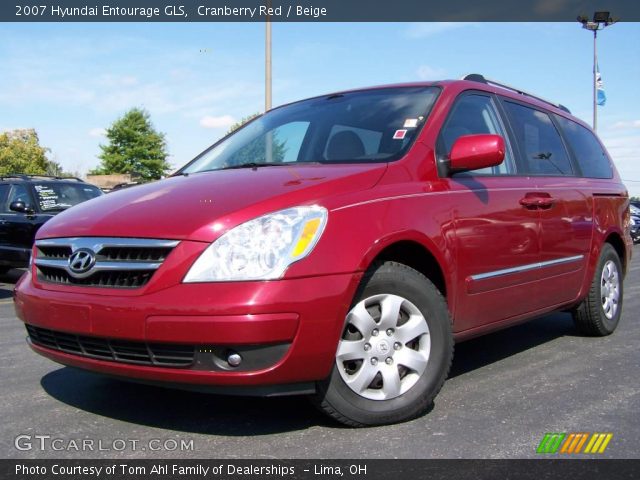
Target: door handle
[(537, 201)]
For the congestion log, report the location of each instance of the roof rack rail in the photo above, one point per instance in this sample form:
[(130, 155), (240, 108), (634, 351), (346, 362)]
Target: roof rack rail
[(476, 77), (26, 176)]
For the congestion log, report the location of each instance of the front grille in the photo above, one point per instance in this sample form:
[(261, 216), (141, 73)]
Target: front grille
[(55, 252), (124, 279), (139, 353), (141, 254), (119, 262)]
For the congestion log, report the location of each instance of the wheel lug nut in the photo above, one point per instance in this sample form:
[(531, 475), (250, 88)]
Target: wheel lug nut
[(389, 331), (374, 361), (397, 346), (367, 347), (389, 361), (375, 332)]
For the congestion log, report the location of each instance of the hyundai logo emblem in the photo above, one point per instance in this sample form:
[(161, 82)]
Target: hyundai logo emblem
[(81, 261)]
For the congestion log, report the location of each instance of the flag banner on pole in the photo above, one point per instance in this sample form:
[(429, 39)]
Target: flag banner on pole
[(601, 97)]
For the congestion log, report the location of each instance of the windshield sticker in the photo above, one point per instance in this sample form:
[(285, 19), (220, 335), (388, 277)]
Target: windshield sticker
[(48, 198), (400, 134), (410, 123)]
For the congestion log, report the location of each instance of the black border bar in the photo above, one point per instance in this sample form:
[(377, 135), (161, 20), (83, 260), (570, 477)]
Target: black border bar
[(577, 469), (313, 10)]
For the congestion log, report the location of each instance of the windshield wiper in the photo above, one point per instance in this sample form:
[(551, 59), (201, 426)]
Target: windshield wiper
[(253, 165)]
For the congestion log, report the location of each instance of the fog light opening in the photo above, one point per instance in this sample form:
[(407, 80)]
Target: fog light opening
[(234, 359)]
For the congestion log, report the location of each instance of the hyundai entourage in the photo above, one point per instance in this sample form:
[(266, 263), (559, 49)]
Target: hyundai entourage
[(338, 247)]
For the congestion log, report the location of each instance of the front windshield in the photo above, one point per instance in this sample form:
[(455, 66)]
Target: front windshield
[(365, 126), (54, 196)]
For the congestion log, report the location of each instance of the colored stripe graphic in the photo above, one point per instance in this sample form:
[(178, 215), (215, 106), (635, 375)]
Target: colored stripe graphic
[(572, 443), (550, 443), (598, 443)]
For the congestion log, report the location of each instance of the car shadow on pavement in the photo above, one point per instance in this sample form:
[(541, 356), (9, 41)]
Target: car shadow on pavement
[(180, 410), (196, 412), (492, 348), (7, 281)]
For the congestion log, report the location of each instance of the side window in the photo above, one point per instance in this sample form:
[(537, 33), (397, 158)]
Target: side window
[(474, 114), (590, 155), (4, 190), (539, 141), (345, 141), (18, 193)]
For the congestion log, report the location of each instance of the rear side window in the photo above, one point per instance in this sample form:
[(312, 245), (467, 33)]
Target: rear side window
[(540, 144), (591, 157)]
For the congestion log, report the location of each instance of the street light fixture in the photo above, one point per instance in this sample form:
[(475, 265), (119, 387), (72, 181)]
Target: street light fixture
[(599, 22)]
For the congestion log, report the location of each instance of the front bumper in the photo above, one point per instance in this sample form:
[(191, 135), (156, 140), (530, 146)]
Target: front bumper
[(303, 317), (14, 257)]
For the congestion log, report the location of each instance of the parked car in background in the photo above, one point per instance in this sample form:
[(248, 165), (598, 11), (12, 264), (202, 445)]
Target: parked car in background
[(337, 247), (26, 203), (634, 222)]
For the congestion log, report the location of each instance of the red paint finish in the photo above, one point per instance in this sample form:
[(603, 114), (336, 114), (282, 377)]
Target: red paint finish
[(475, 229), (472, 152)]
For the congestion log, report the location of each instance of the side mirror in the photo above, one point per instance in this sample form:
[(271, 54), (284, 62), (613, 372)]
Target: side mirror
[(472, 152), (21, 207)]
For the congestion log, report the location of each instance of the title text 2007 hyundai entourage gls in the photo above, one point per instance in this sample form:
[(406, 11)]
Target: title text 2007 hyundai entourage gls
[(337, 247)]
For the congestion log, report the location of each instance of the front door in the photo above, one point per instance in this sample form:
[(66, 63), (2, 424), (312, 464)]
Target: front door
[(497, 237)]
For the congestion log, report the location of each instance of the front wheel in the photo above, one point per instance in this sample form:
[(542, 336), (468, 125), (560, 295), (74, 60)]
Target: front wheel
[(599, 313), (395, 351)]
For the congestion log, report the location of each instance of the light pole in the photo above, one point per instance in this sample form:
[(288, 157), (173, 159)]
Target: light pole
[(599, 22), (267, 65), (268, 145)]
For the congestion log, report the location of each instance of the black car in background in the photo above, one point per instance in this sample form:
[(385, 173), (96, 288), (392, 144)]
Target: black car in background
[(26, 203), (634, 226)]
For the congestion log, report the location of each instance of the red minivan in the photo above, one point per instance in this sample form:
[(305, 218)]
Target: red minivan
[(338, 247)]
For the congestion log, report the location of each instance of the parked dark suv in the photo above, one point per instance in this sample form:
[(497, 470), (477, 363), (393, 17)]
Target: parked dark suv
[(338, 246), (26, 203)]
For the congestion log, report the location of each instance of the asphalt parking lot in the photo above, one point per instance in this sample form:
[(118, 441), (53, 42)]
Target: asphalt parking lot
[(505, 391)]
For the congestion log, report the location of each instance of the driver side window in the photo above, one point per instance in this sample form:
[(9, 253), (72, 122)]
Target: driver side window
[(471, 115), (18, 193)]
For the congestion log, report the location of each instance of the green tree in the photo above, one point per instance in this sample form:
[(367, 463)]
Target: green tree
[(134, 147), (257, 151), (20, 152), (244, 120)]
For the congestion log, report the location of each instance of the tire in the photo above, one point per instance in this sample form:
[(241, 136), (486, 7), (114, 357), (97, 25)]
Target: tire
[(4, 270), (413, 349), (599, 313)]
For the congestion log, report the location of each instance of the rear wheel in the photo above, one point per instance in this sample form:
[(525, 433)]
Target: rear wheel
[(599, 313), (395, 351)]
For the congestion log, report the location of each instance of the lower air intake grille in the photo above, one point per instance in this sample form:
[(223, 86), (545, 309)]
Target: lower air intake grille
[(140, 353)]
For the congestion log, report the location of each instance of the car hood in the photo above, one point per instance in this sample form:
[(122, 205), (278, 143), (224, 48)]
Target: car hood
[(202, 206)]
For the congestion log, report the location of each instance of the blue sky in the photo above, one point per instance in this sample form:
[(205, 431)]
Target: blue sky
[(70, 81)]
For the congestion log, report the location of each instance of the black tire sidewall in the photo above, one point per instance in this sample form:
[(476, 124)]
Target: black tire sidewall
[(409, 284), (609, 254)]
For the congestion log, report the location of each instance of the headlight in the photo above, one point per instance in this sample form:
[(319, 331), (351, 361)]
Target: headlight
[(261, 249)]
